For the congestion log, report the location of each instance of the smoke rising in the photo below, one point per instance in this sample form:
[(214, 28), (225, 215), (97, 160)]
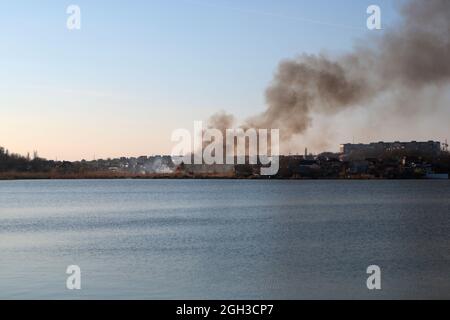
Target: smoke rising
[(221, 121), (404, 62)]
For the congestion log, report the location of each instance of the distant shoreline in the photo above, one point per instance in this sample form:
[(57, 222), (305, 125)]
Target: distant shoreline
[(11, 176)]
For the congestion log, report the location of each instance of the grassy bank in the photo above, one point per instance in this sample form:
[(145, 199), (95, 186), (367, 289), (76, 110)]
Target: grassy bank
[(104, 175)]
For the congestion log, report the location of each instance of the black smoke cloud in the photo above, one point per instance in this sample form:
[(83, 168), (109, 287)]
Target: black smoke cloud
[(406, 60)]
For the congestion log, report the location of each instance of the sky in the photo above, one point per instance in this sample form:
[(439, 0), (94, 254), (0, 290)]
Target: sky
[(137, 70)]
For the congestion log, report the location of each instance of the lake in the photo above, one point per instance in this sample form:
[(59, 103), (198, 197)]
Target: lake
[(224, 239)]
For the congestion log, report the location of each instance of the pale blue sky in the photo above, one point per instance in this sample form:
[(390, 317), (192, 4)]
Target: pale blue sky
[(139, 69)]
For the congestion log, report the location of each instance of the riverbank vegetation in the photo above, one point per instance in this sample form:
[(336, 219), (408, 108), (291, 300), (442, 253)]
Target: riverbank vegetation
[(390, 165)]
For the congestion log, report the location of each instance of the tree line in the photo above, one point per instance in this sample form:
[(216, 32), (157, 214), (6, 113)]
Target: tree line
[(16, 162)]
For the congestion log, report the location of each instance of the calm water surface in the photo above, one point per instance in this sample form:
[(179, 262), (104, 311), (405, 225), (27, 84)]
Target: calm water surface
[(224, 239)]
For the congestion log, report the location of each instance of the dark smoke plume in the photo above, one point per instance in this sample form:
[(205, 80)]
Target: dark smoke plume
[(222, 121), (407, 59)]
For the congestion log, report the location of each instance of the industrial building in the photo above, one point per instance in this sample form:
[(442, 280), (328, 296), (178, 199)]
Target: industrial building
[(377, 148)]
